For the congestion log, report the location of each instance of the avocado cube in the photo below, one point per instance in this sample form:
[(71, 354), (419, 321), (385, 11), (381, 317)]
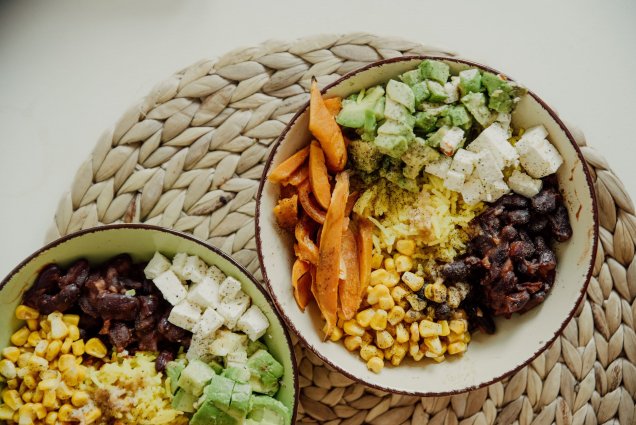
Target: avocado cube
[(434, 70), (254, 346), (173, 371), (425, 121), (378, 109), (209, 414), (268, 410), (195, 376), (411, 77), (438, 93), (436, 138), (476, 105), (469, 81), (494, 82), (265, 372), (460, 117), (219, 391), (443, 120), (396, 111), (184, 401), (365, 156), (500, 101), (216, 366), (239, 374), (392, 145), (401, 93), (241, 399), (354, 110), (421, 92)]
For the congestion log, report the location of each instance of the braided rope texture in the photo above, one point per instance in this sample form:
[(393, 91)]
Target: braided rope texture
[(189, 156)]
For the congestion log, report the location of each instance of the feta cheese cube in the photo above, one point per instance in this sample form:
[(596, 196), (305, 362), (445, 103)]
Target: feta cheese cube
[(233, 309), (178, 263), (452, 90), (215, 274), (496, 190), (538, 132), (157, 265), (538, 157), (210, 322), (439, 167), (473, 190), (454, 180), (205, 293), (523, 184), (194, 269), (229, 288), (171, 287), (487, 168), (185, 315), (451, 140), (464, 162), (253, 322), (226, 342), (495, 139)]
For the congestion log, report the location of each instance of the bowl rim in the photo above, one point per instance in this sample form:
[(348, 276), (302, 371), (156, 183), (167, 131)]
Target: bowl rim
[(548, 342), (140, 226)]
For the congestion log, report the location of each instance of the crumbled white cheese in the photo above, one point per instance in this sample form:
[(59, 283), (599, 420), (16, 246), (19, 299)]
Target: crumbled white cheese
[(229, 288), (523, 184), (439, 167), (171, 287), (451, 140), (496, 190), (473, 190), (487, 168), (178, 263), (495, 140), (185, 315), (464, 162), (538, 157), (205, 293), (253, 322), (454, 180), (157, 265), (210, 322), (194, 269), (233, 309)]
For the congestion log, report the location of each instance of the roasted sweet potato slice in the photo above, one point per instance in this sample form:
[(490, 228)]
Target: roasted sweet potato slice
[(309, 204), (286, 212), (318, 176), (328, 268), (365, 251), (306, 249), (286, 168), (297, 177), (301, 282), (349, 288), (324, 127), (333, 105)]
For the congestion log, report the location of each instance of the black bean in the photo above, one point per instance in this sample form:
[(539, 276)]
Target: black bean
[(560, 224), (545, 201), (517, 217), (442, 312)]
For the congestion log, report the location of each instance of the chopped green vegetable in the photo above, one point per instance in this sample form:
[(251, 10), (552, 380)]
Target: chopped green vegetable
[(438, 93), (265, 372), (421, 92), (354, 112), (392, 145), (411, 77), (469, 81), (434, 70), (476, 105)]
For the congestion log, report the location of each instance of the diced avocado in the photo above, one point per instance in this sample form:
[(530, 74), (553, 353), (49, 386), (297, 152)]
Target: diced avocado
[(209, 414), (379, 109), (444, 120), (434, 70), (425, 121), (237, 374), (173, 371), (241, 402), (216, 366), (254, 346), (365, 157), (459, 117), (411, 77), (396, 112), (493, 82), (469, 81), (500, 101), (395, 128), (219, 392), (436, 138), (268, 410), (476, 105), (353, 113), (392, 145), (398, 178), (184, 401), (401, 93), (438, 93), (265, 372), (195, 376), (421, 92)]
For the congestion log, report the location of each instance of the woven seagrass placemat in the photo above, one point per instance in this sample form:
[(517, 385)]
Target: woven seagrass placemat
[(190, 154)]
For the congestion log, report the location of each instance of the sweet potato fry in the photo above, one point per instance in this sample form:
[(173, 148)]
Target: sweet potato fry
[(301, 281), (349, 289), (285, 169), (318, 177), (328, 267), (297, 177), (333, 105), (351, 201), (309, 204), (307, 249), (365, 251), (286, 212), (323, 126)]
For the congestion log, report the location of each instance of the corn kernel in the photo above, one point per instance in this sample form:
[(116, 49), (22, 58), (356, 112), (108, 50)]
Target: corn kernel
[(37, 364), (39, 410), (376, 261), (26, 414), (398, 293), (27, 396), (367, 338), (439, 359), (73, 332), (399, 352), (352, 343), (413, 281), (351, 327), (456, 347), (51, 418), (53, 349), (379, 320), (401, 333), (12, 384), (386, 302), (413, 316), (23, 312), (396, 315), (435, 292), (71, 319), (29, 381), (81, 372), (445, 328), (93, 415), (379, 276), (364, 317), (65, 362), (48, 384), (63, 392), (376, 292), (50, 400), (7, 369), (33, 325), (457, 326), (415, 331), (71, 377), (20, 337), (368, 351), (34, 338), (11, 353), (414, 348), (416, 302), (12, 399), (45, 326), (375, 364), (79, 398), (65, 413), (434, 345), (403, 264), (6, 413), (66, 346), (37, 396), (389, 264), (40, 348), (384, 339), (335, 336), (405, 246), (429, 329), (59, 329)]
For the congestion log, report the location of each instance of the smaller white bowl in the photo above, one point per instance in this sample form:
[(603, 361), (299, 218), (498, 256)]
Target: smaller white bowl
[(489, 358)]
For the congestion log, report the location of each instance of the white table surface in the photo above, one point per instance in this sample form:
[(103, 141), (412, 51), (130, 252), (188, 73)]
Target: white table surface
[(69, 68)]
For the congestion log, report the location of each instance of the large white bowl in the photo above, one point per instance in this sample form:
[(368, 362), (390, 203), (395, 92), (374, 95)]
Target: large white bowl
[(489, 357)]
